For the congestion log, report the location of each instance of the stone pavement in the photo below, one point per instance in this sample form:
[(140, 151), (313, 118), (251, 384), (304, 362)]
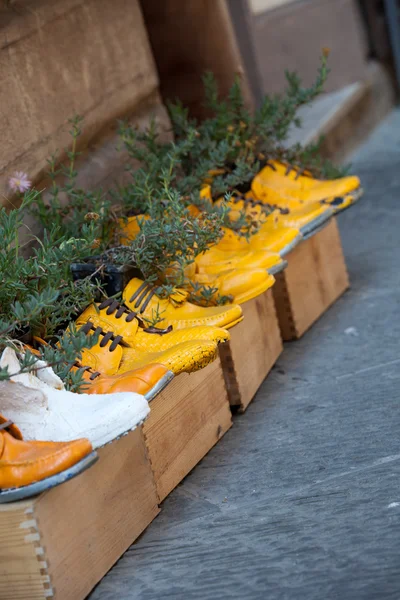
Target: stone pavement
[(301, 498)]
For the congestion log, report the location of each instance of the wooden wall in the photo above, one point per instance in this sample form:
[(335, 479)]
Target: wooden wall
[(64, 57), (189, 37)]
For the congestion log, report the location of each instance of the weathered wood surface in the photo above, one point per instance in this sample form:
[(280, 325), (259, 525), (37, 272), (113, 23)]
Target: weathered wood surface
[(61, 543), (315, 277), (252, 351), (64, 57), (189, 37), (186, 420)]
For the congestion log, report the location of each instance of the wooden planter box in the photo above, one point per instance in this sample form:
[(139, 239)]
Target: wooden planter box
[(61, 543), (186, 420), (253, 349), (315, 277)]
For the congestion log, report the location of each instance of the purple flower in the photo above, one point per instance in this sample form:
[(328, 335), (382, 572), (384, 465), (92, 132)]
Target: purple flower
[(19, 182)]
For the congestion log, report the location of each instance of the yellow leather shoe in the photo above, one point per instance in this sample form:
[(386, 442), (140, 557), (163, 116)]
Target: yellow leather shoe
[(291, 180), (176, 311), (293, 183), (28, 468), (273, 236), (218, 259), (244, 258), (129, 228), (340, 203), (112, 316), (306, 217), (110, 356), (241, 284)]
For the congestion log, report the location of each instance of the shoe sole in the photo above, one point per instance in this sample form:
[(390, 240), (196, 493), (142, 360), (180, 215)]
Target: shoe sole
[(289, 247), (233, 323), (356, 195), (310, 228), (279, 267), (159, 386), (33, 489), (116, 435), (254, 292)]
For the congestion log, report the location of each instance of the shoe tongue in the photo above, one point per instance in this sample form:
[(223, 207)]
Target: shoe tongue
[(102, 359)]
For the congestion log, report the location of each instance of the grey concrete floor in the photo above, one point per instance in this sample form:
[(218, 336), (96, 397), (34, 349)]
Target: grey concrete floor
[(301, 498)]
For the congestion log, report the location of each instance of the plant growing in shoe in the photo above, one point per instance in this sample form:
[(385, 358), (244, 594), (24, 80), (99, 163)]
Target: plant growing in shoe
[(41, 285), (239, 142), (38, 296), (168, 240), (173, 158)]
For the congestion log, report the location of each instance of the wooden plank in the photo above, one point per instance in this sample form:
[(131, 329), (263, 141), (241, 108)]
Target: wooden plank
[(23, 567), (315, 277), (186, 420), (77, 531), (59, 58), (252, 351), (188, 38)]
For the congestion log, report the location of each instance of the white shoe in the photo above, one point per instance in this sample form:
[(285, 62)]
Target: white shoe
[(46, 413)]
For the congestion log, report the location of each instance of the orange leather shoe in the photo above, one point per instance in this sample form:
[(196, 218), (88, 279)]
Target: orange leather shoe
[(28, 468), (148, 381)]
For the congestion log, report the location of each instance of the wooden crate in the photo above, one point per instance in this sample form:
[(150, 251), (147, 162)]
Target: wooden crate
[(61, 543), (186, 420), (253, 349), (315, 277)]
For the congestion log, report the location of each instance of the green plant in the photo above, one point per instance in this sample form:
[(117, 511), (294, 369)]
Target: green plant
[(170, 238), (239, 142), (170, 162), (38, 297)]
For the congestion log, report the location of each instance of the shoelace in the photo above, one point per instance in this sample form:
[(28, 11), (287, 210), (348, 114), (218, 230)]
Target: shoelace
[(254, 202), (93, 374), (6, 425), (114, 307), (143, 290), (299, 171), (108, 336)]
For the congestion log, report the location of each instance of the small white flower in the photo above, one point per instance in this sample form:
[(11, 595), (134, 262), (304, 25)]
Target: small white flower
[(19, 182)]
